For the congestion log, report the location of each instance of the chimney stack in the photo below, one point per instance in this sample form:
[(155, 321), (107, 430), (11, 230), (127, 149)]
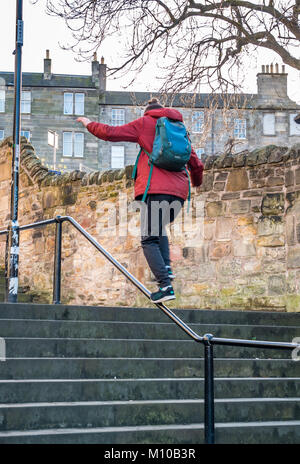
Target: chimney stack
[(102, 75), (47, 66), (99, 72), (95, 70), (271, 83)]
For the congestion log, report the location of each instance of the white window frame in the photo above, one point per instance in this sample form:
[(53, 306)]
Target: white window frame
[(1, 134), (2, 101), (70, 143), (72, 103), (23, 132), (74, 151), (269, 127), (68, 111), (79, 105), (294, 127), (117, 116), (117, 157), (78, 144), (198, 121), (199, 152), (26, 102), (240, 129)]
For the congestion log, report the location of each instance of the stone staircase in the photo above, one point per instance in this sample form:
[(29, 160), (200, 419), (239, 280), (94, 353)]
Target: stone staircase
[(129, 375)]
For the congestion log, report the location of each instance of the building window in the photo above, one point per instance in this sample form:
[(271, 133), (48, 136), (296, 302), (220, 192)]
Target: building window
[(117, 117), (294, 127), (269, 124), (26, 102), (78, 144), (198, 121), (67, 144), (200, 152), (239, 130), (68, 103), (1, 134), (74, 101), (2, 101), (79, 104), (25, 133), (73, 144), (117, 157)]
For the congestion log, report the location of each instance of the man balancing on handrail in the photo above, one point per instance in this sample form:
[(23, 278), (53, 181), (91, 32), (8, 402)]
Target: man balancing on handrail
[(161, 180)]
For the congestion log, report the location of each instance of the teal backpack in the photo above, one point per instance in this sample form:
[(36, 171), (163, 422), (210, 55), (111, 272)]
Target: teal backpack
[(171, 150)]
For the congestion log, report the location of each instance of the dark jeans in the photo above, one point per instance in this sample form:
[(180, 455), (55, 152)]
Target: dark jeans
[(158, 211)]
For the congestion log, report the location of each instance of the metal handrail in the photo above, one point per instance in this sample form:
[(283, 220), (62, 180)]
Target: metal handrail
[(208, 339)]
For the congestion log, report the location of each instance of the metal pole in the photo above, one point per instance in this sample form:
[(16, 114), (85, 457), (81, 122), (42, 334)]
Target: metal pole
[(12, 248), (57, 264), (209, 414)]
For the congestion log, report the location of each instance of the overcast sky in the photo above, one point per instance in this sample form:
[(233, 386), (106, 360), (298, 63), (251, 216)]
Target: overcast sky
[(43, 32)]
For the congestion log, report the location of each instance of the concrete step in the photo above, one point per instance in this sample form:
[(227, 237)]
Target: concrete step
[(143, 330), (198, 316), (49, 390), (82, 414), (128, 348), (275, 432), (126, 368)]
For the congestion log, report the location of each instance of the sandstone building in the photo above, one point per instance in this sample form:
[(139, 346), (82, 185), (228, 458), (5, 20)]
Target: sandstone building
[(216, 123)]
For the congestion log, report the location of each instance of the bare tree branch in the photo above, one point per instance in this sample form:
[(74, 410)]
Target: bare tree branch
[(197, 40)]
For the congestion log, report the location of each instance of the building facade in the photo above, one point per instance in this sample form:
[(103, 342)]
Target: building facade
[(216, 123)]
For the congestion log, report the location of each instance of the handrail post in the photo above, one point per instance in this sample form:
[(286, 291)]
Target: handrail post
[(57, 262), (209, 414)]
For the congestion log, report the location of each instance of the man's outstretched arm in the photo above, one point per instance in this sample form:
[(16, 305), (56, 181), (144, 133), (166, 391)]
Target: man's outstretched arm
[(127, 133)]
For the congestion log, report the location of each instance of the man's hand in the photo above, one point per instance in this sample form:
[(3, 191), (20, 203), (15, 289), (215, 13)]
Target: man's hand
[(84, 121)]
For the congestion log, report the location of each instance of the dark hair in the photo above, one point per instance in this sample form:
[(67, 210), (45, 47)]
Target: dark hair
[(153, 104)]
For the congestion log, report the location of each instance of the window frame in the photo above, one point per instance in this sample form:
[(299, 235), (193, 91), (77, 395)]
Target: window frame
[(2, 92), (76, 94), (28, 138), (203, 152), (273, 124), (117, 121), (196, 121), (240, 130), (116, 148), (66, 103), (294, 128), (72, 144), (25, 101), (76, 155)]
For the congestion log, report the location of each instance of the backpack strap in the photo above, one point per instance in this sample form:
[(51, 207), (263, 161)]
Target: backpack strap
[(148, 183), (133, 176), (189, 196)]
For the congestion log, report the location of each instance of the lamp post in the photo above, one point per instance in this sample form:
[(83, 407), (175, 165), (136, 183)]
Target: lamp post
[(12, 244)]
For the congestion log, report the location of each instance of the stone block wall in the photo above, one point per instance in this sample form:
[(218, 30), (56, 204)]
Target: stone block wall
[(239, 247)]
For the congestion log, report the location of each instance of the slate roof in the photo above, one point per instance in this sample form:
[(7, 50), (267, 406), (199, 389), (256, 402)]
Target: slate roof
[(201, 100), (57, 80)]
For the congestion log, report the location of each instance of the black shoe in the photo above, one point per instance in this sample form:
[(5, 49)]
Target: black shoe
[(163, 294), (171, 275)]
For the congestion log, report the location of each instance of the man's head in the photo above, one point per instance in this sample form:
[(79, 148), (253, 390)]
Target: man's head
[(153, 104)]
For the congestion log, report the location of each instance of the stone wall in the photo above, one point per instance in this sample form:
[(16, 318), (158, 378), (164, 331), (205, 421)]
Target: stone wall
[(239, 248)]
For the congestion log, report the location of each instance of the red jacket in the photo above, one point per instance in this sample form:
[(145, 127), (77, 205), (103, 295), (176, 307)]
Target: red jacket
[(142, 131)]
